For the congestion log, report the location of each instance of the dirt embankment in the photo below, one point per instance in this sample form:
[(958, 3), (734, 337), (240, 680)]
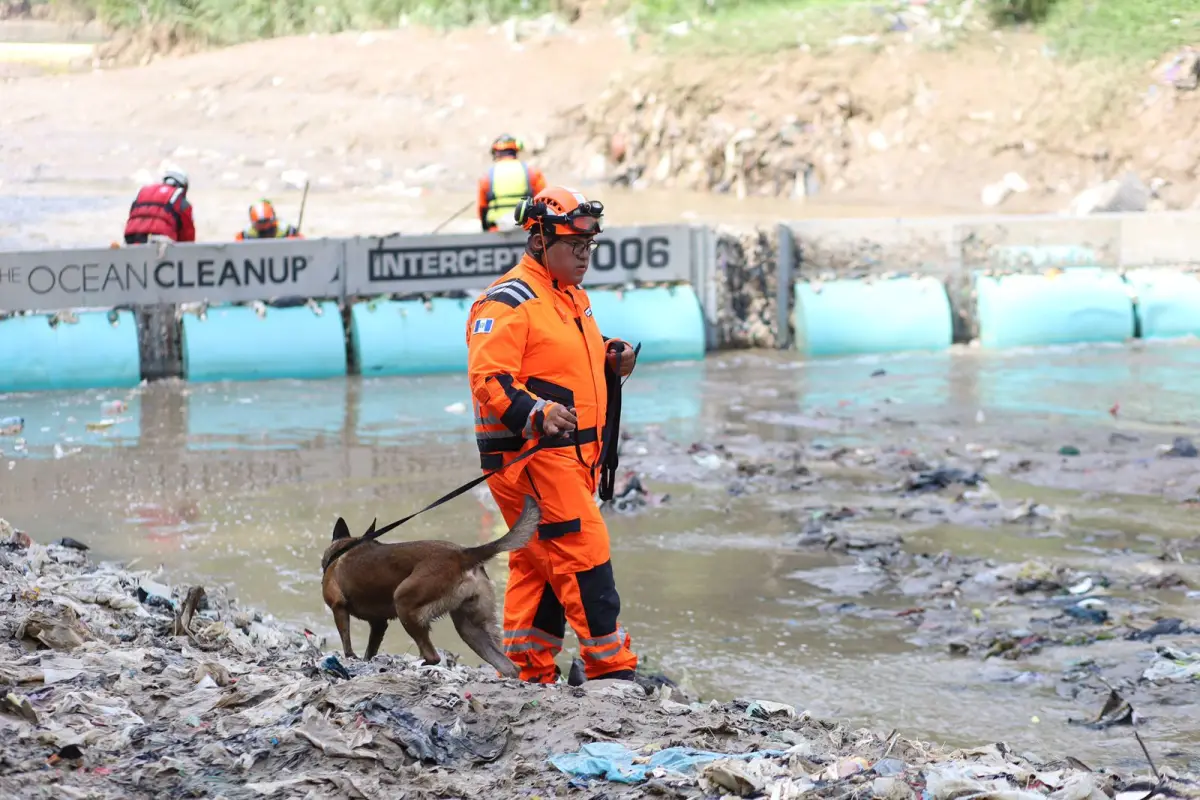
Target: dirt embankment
[(903, 124), (892, 124)]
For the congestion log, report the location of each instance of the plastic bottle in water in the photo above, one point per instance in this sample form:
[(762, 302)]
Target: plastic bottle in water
[(11, 426)]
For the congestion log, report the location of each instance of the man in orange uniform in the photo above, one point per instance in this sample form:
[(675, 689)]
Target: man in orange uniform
[(507, 183), (539, 368)]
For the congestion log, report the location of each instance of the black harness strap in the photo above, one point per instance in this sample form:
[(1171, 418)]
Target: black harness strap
[(612, 425)]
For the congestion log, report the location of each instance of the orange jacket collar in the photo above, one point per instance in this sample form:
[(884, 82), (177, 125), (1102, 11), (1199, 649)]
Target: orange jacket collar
[(533, 265)]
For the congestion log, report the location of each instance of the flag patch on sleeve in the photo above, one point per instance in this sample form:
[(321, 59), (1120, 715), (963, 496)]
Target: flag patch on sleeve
[(483, 326)]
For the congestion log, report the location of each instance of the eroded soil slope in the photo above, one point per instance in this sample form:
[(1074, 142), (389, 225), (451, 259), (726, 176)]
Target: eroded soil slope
[(408, 113)]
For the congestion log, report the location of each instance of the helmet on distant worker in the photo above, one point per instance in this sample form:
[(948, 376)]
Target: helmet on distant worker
[(558, 211), (176, 177), (506, 144), (262, 216)]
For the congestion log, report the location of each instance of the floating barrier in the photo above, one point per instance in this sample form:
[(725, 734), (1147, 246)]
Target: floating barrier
[(235, 344), (91, 353), (872, 316), (667, 320), (279, 414), (1168, 302), (410, 337), (1075, 305)]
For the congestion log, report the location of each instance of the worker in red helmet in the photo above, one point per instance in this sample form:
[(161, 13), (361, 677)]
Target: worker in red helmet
[(162, 211), (509, 181), (264, 224), (541, 372)]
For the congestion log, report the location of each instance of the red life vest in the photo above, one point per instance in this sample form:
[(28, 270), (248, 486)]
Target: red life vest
[(157, 210)]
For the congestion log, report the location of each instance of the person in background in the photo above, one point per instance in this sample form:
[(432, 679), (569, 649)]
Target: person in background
[(161, 211), (507, 182), (264, 224)]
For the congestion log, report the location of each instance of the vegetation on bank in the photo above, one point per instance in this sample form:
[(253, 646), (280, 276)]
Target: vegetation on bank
[(1120, 30), (1110, 30)]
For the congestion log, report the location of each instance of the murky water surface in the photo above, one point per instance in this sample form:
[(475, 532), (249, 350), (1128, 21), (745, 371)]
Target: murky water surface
[(240, 484)]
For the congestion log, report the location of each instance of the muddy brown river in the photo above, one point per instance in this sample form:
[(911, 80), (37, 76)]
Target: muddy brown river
[(239, 484)]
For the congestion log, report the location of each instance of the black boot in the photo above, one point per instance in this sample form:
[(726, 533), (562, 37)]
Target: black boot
[(577, 675), (648, 681)]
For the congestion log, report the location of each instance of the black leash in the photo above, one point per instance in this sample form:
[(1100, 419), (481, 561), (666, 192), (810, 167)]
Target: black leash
[(375, 533), (607, 478)]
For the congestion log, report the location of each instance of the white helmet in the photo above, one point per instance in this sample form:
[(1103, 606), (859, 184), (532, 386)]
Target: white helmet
[(176, 178)]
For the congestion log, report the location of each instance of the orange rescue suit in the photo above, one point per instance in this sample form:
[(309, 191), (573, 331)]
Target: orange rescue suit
[(531, 342)]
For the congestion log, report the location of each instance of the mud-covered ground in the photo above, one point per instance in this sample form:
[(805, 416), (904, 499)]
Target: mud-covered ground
[(116, 686), (928, 543)]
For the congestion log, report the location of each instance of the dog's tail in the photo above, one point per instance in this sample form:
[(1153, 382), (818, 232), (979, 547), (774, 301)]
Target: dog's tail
[(517, 537)]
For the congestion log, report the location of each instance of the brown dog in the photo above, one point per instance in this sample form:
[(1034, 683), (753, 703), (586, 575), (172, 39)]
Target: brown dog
[(418, 582)]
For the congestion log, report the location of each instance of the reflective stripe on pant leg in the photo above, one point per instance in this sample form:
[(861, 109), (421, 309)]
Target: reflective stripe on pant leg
[(546, 632), (592, 606), (534, 622), (574, 538)]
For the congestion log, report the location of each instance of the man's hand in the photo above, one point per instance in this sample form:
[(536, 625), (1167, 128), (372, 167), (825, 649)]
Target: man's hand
[(559, 419), (628, 358)]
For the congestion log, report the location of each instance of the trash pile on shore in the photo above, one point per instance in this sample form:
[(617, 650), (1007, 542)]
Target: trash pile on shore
[(746, 290), (117, 685)]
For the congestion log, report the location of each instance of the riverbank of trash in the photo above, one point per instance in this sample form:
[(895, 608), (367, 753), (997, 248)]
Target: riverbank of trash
[(118, 685)]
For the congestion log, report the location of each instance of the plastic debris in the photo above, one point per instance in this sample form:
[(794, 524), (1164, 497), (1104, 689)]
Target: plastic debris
[(616, 762), (1173, 665), (933, 480), (1182, 447), (105, 695)]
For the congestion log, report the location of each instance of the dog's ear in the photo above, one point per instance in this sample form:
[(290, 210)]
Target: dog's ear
[(341, 530)]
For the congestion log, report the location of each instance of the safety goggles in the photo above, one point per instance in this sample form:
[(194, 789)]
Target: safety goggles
[(586, 219)]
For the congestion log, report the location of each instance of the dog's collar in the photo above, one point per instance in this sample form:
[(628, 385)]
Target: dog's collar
[(353, 544)]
